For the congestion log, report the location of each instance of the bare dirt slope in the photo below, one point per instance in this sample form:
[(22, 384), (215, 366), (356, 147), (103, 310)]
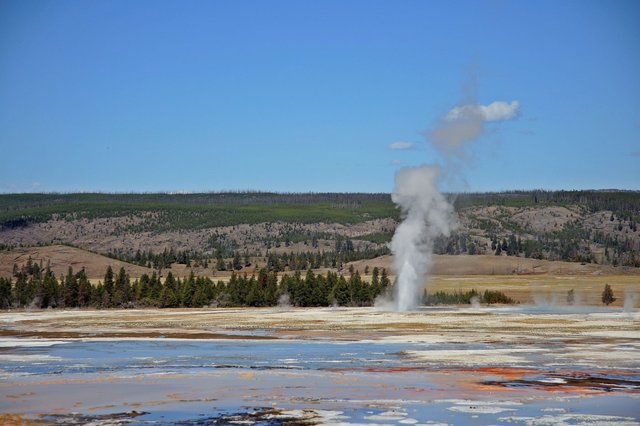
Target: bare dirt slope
[(61, 257), (105, 235)]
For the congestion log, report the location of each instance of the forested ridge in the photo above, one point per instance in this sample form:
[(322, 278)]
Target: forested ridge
[(189, 211), (296, 231), (230, 208)]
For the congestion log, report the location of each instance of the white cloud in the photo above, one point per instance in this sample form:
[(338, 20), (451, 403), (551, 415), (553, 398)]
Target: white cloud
[(498, 111), (401, 145), (395, 162), (466, 123), (495, 111)]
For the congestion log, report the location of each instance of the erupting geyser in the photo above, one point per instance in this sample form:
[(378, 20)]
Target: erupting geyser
[(428, 215)]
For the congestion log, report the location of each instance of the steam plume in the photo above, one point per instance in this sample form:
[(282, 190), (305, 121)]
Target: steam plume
[(630, 299), (284, 301), (427, 213)]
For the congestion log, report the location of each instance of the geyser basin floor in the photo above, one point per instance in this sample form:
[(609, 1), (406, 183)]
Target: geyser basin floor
[(445, 365)]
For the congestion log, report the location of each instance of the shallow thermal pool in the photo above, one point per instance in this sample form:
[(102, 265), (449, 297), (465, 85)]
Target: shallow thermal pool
[(445, 378)]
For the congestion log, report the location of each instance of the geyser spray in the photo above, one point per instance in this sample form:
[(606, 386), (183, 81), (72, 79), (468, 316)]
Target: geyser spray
[(427, 215)]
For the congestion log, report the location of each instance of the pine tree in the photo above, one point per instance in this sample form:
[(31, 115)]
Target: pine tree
[(271, 289), (320, 292), (84, 289), (341, 292), (571, 297), (607, 295), (168, 298), (234, 291), (70, 293), (187, 290), (21, 290), (5, 293), (237, 265), (121, 289), (108, 288), (155, 289), (199, 297), (359, 294), (48, 290), (255, 295), (375, 281), (384, 281)]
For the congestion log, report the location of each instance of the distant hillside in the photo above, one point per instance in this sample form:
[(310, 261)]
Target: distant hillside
[(59, 258), (295, 231)]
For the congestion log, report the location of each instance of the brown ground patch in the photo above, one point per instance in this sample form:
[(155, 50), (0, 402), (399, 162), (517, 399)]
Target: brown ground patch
[(7, 419)]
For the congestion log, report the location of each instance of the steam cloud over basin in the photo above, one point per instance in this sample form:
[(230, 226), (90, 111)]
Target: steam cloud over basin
[(428, 215)]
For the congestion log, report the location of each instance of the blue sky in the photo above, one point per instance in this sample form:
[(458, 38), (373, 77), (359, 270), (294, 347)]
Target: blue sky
[(311, 95)]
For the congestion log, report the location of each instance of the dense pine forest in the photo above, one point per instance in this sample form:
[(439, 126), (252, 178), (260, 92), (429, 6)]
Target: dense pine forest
[(35, 286)]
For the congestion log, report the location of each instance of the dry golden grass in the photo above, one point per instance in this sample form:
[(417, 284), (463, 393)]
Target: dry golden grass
[(543, 288)]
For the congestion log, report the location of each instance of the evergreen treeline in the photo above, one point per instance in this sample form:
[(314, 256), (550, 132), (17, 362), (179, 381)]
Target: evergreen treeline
[(32, 200), (38, 287), (614, 200), (465, 297), (225, 260)]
